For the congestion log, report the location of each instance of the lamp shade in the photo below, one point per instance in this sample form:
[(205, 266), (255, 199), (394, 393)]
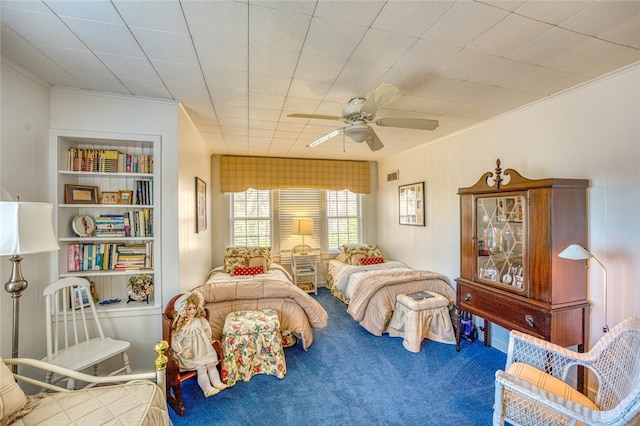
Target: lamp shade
[(575, 252), (27, 228), (302, 227), (358, 132)]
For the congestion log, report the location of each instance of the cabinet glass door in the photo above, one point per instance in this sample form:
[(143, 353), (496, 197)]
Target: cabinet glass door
[(501, 236)]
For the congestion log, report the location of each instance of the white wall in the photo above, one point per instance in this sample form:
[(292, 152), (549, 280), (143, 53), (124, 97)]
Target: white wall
[(193, 161), (590, 132), (24, 172)]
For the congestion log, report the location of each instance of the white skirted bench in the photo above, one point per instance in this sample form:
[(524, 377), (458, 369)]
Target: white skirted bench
[(426, 315)]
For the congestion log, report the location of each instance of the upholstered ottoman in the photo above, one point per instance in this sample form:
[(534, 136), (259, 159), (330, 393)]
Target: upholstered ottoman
[(252, 344), (419, 318)]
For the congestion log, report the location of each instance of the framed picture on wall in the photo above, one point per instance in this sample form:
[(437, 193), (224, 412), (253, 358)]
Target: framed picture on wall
[(201, 205), (411, 204)]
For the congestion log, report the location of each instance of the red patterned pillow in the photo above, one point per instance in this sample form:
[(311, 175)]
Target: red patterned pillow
[(248, 270), (371, 260)]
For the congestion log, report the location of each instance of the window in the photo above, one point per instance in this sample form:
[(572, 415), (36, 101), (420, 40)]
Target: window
[(344, 218), (299, 204), (251, 218), (265, 218)]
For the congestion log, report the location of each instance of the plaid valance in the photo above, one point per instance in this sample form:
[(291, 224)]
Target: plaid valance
[(238, 173)]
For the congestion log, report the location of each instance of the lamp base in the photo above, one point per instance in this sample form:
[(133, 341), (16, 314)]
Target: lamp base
[(15, 286)]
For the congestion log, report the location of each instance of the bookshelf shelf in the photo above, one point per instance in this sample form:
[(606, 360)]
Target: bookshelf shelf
[(126, 240)]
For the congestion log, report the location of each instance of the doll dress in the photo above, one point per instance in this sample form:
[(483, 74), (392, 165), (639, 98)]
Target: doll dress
[(195, 335)]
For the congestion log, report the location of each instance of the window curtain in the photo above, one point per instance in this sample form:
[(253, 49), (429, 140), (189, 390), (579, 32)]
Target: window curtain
[(238, 173)]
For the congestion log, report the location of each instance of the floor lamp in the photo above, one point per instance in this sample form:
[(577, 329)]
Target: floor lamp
[(577, 252), (27, 228)]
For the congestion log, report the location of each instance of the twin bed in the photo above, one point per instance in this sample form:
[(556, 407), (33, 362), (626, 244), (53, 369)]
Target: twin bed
[(268, 286), (369, 285), (359, 277)]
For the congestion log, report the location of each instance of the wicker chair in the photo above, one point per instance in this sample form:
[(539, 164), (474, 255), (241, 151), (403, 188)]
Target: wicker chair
[(541, 397)]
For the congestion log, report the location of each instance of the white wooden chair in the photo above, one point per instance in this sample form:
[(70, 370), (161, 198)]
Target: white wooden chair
[(75, 339), (532, 391)]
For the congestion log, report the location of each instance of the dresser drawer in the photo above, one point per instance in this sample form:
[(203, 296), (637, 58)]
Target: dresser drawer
[(504, 311)]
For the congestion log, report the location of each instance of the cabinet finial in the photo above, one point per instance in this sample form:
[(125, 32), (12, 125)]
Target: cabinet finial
[(498, 178)]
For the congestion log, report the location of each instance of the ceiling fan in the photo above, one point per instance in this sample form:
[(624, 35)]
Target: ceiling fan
[(361, 111)]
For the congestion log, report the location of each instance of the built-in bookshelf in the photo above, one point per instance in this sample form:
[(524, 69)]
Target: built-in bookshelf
[(107, 217)]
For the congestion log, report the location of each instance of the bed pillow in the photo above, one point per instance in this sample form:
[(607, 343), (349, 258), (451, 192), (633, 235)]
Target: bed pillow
[(371, 260), (260, 261), (231, 262), (12, 398), (346, 247), (342, 258), (248, 270), (356, 254)]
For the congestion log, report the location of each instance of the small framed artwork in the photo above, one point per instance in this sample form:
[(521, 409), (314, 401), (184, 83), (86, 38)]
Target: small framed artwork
[(80, 194), (125, 197), (80, 297), (411, 200), (109, 197), (201, 205)]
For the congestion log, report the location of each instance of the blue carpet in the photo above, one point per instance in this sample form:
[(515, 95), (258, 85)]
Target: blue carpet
[(350, 377)]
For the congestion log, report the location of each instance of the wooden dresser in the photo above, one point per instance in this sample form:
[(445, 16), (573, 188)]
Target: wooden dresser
[(511, 231)]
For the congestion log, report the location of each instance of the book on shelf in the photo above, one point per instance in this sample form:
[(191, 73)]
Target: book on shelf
[(419, 295)]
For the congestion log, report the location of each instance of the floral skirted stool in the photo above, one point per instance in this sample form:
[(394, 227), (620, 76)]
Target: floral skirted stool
[(252, 344)]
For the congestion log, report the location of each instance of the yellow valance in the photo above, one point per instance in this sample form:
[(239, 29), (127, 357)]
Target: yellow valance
[(239, 173)]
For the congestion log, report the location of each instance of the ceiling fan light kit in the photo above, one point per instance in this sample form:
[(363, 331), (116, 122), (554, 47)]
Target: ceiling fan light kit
[(361, 111)]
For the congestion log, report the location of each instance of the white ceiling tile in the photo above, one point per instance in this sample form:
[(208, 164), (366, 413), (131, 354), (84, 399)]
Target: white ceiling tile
[(318, 67), (282, 29), (95, 10), (184, 73), (269, 84), (101, 37), (350, 11), (39, 28), (601, 16), (552, 12), (509, 34), (550, 44), (464, 22), (425, 56), (587, 58), (148, 88), (164, 16), (166, 46), (271, 61), (465, 63), (410, 18), (127, 67), (382, 48), (308, 89), (212, 22), (627, 33)]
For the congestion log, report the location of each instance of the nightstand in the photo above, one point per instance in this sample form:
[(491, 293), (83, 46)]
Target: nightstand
[(305, 272)]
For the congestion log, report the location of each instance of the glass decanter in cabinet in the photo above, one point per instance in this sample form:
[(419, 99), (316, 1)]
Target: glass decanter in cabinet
[(511, 231)]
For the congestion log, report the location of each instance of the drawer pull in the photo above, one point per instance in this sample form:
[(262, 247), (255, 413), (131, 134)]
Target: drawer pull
[(468, 297), (529, 320)]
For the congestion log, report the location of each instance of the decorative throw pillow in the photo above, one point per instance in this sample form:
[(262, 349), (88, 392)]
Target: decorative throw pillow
[(231, 262), (259, 261), (346, 247), (355, 258), (371, 260), (12, 398), (342, 258), (248, 270)]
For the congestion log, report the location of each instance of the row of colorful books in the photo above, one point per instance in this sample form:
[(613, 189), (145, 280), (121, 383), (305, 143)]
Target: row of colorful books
[(134, 223), (144, 192), (109, 256), (107, 160)]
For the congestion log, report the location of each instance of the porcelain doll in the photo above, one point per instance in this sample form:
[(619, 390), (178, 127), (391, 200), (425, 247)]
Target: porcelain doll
[(191, 342)]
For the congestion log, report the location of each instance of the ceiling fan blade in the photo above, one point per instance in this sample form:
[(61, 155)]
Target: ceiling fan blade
[(374, 142), (380, 95), (325, 138), (408, 123), (315, 116)]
